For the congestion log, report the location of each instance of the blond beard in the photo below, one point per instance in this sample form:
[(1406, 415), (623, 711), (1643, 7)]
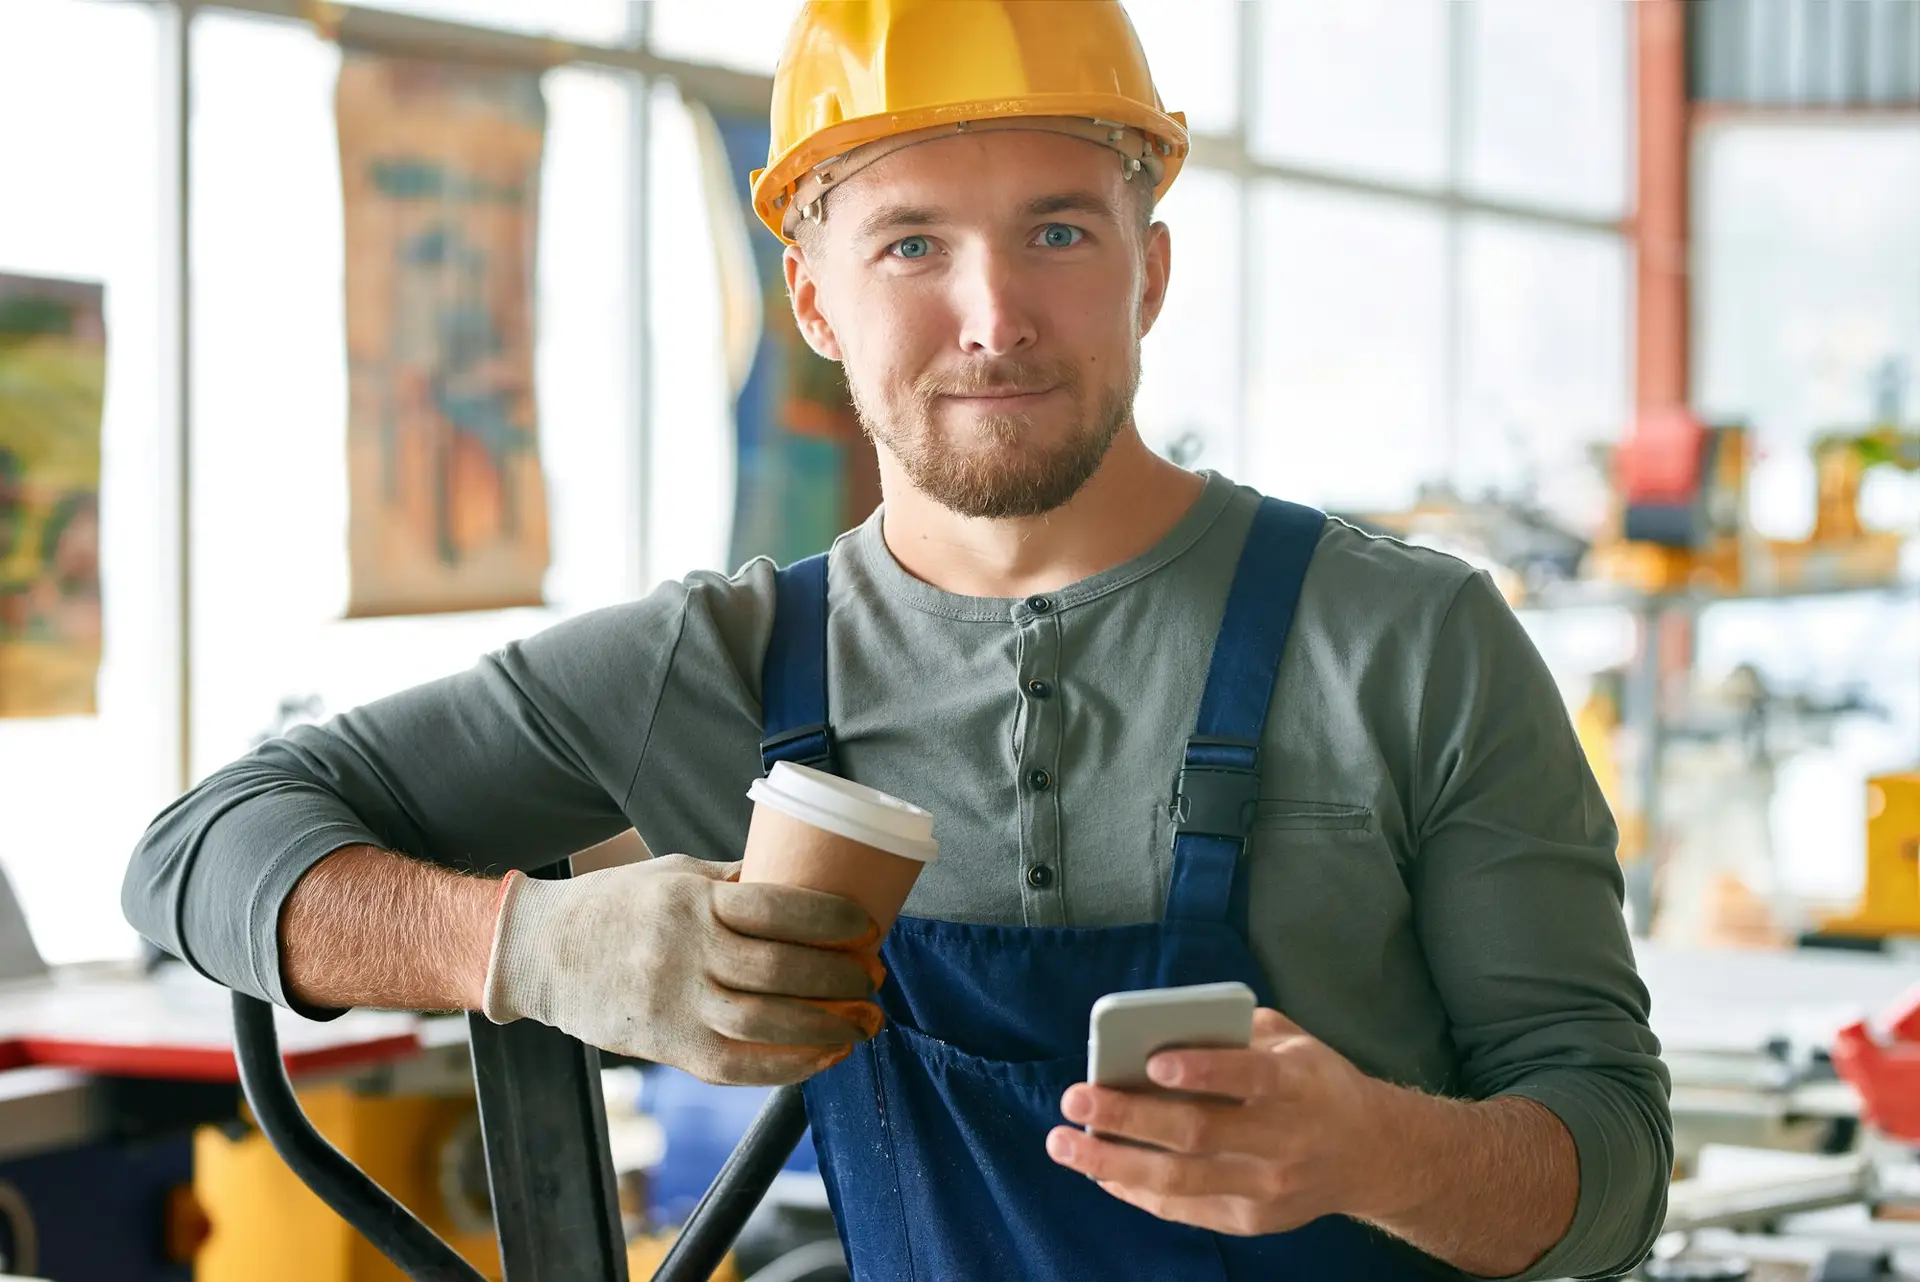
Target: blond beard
[(991, 477)]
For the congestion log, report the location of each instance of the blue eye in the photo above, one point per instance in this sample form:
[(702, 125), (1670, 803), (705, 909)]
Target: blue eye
[(913, 247), (1060, 236)]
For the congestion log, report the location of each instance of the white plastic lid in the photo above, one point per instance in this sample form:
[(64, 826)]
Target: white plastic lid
[(852, 810)]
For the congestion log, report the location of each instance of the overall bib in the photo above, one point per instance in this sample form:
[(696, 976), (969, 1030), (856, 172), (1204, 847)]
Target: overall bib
[(932, 1136)]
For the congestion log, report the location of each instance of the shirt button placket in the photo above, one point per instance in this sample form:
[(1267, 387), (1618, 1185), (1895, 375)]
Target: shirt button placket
[(1036, 768)]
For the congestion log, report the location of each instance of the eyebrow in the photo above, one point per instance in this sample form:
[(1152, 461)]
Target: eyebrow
[(888, 217), (892, 217), (1069, 202)]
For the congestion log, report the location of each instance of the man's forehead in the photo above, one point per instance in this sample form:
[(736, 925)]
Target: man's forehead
[(1003, 174)]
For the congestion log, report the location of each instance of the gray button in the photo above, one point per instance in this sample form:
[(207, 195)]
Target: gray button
[(1039, 780), (1039, 876), (1039, 689), (1040, 604)]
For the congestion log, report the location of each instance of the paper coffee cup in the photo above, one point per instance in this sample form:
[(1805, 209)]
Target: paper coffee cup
[(826, 833)]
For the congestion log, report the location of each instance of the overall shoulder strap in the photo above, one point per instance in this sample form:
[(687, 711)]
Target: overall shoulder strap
[(793, 679), (1216, 794)]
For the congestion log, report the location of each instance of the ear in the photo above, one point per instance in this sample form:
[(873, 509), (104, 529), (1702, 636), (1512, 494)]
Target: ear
[(804, 290), (1159, 262)]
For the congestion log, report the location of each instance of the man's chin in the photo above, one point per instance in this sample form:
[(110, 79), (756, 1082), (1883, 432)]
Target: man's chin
[(990, 491), (1003, 466)]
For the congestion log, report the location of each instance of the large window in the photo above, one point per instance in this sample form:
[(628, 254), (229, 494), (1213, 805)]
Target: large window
[(1439, 289), (80, 197), (1348, 384)]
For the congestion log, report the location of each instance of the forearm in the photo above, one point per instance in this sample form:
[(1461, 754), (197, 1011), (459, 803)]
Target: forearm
[(1488, 1186), (366, 927)]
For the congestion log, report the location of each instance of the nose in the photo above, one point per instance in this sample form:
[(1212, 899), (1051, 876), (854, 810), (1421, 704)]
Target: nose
[(995, 319)]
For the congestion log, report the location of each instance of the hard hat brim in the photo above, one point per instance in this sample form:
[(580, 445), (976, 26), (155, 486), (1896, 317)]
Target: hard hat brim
[(774, 187)]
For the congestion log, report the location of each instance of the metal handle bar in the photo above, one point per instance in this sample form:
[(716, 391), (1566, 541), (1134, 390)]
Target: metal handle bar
[(419, 1252)]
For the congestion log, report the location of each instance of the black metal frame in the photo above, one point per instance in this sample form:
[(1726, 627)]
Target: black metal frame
[(543, 1120), (394, 1230)]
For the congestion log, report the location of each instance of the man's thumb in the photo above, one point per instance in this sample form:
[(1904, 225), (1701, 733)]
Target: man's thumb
[(1270, 1028)]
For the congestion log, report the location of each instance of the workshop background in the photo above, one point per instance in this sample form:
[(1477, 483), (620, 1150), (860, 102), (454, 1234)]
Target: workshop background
[(342, 343)]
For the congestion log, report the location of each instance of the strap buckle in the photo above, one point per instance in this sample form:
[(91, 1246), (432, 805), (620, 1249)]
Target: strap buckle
[(804, 746), (1217, 792)]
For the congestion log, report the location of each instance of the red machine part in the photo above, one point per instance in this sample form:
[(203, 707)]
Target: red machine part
[(1883, 1064), (1660, 460)]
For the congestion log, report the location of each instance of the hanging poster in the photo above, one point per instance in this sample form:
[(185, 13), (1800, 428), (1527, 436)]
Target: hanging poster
[(440, 177), (804, 469), (53, 373)]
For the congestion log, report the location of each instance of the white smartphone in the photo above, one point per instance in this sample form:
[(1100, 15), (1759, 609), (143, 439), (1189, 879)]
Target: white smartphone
[(1128, 1029)]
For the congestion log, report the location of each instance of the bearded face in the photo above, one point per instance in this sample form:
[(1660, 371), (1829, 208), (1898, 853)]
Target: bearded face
[(986, 296)]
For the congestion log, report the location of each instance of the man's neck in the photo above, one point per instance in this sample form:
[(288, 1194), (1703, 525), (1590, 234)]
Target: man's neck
[(1124, 509)]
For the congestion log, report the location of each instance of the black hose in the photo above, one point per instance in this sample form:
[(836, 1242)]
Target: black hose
[(370, 1209), (737, 1190)]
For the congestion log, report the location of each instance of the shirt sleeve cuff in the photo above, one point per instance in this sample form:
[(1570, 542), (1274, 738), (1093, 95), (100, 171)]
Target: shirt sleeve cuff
[(1622, 1200)]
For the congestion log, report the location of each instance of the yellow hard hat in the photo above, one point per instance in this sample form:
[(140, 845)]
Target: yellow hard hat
[(861, 78)]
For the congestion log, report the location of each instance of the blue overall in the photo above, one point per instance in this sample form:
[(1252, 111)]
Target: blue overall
[(932, 1136)]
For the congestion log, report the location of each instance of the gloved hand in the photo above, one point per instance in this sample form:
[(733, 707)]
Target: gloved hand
[(668, 960)]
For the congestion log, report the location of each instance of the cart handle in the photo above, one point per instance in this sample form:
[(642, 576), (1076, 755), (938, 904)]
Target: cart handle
[(419, 1252)]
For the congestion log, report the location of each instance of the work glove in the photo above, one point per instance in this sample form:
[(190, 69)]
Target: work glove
[(673, 961)]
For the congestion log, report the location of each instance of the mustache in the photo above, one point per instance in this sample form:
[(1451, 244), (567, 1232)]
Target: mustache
[(1001, 374)]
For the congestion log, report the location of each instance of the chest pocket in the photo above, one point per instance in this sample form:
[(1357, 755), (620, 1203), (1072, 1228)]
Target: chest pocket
[(1277, 815), (1324, 859)]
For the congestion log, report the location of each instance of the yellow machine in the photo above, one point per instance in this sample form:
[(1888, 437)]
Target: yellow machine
[(266, 1224), (424, 1149), (1596, 722), (1890, 904)]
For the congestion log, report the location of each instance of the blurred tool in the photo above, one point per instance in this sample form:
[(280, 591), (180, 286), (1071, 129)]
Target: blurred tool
[(1890, 905), (1525, 547), (1682, 488), (1720, 884), (19, 956), (1724, 746), (1880, 1058), (1842, 551)]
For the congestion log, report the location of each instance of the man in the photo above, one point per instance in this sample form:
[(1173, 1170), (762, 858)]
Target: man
[(1171, 732)]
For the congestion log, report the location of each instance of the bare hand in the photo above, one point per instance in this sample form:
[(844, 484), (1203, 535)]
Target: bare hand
[(1287, 1138)]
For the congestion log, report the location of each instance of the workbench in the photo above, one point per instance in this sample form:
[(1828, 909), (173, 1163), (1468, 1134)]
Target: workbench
[(1745, 1033), (105, 1073)]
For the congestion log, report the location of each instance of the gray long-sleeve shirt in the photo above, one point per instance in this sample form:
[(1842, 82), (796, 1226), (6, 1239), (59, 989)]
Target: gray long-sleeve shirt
[(1433, 886)]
